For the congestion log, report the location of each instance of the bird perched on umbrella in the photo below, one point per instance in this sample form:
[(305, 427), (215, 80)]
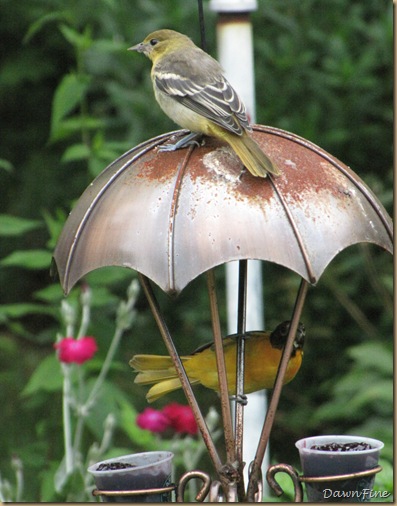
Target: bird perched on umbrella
[(263, 352), (191, 89)]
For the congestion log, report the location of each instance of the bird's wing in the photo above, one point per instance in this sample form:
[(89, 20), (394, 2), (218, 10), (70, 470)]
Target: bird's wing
[(226, 342), (203, 90)]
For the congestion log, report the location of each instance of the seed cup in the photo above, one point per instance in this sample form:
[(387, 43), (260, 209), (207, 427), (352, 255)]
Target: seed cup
[(324, 463), (151, 470)]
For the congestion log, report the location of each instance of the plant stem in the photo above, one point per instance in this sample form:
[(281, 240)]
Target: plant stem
[(18, 468), (104, 370), (84, 409), (85, 312), (123, 322), (67, 425)]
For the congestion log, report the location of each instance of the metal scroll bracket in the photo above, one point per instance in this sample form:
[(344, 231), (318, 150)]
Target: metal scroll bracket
[(297, 480)]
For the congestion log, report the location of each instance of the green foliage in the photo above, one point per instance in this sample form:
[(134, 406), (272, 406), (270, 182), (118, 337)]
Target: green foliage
[(367, 391), (11, 226), (48, 368), (73, 100), (385, 480), (137, 436), (69, 94), (31, 259)]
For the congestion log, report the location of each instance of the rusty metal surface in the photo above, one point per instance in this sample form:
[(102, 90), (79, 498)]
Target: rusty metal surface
[(174, 215)]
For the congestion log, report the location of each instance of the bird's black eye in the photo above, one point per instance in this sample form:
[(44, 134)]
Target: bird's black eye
[(153, 42)]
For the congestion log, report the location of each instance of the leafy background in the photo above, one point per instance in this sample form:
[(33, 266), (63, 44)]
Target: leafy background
[(72, 99)]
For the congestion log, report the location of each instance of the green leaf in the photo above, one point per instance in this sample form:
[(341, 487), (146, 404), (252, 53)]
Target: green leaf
[(111, 46), (12, 226), (50, 294), (79, 40), (137, 435), (377, 396), (107, 401), (75, 124), (41, 22), (68, 96), (54, 223), (6, 165), (31, 259), (47, 377), (96, 166), (47, 492), (76, 152), (373, 355), (385, 480), (23, 309)]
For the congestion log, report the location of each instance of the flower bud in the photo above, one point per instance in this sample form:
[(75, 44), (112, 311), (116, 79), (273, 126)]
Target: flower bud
[(153, 420), (76, 351), (181, 418)]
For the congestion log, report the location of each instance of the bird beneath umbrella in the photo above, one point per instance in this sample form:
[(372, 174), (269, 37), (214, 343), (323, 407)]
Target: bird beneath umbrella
[(263, 352), (191, 89)]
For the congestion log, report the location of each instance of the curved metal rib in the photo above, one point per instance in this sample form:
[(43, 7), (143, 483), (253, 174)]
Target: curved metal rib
[(299, 239)]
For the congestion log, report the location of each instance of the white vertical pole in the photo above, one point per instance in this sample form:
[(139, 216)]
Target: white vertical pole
[(235, 54)]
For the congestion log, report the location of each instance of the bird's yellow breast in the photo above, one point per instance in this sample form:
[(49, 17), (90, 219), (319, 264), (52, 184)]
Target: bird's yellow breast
[(261, 364)]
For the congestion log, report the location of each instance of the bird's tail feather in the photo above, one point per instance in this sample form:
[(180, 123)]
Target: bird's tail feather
[(156, 369), (149, 377), (252, 156), (152, 368), (164, 388), (150, 362)]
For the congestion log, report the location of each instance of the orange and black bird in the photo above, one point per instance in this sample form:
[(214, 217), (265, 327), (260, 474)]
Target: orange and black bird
[(262, 357), (191, 89)]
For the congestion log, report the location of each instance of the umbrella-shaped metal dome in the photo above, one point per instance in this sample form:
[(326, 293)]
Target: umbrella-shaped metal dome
[(174, 215)]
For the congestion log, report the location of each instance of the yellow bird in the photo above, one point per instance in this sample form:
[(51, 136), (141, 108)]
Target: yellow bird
[(262, 357), (191, 89)]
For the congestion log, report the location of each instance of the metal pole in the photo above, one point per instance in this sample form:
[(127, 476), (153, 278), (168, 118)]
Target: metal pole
[(235, 53), (268, 424), (220, 360)]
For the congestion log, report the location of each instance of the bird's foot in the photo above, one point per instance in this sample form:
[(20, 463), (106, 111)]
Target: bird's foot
[(182, 143), (241, 399)]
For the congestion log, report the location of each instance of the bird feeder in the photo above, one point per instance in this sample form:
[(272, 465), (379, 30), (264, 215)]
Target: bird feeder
[(173, 216)]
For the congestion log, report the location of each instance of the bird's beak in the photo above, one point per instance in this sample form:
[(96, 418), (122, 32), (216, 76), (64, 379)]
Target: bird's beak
[(138, 47)]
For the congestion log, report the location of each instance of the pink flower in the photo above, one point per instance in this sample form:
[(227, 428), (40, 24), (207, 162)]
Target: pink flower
[(153, 420), (181, 418), (76, 351)]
